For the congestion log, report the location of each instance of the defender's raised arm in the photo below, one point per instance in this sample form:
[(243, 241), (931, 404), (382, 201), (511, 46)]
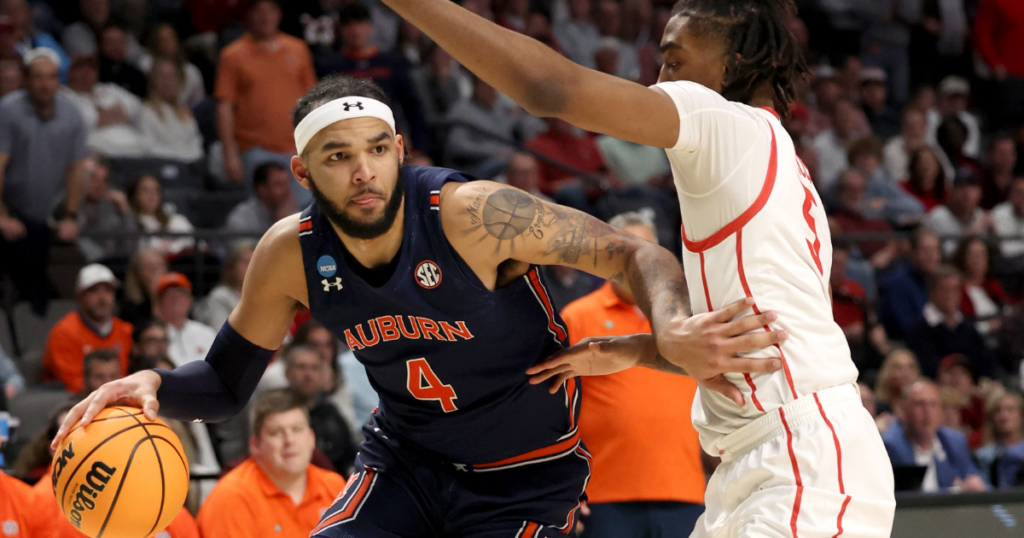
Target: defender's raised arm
[(542, 81)]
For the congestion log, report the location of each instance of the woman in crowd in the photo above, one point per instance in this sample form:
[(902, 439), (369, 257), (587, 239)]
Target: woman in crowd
[(1002, 459), (899, 368), (983, 296), (164, 45), (214, 309), (926, 181), (144, 271), (146, 198), (169, 130)]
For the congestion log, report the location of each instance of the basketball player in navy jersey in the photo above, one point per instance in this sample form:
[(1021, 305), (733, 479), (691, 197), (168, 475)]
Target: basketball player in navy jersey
[(753, 226), (431, 281)]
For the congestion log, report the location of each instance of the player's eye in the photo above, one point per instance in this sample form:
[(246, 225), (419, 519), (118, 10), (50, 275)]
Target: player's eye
[(379, 149), (338, 157)]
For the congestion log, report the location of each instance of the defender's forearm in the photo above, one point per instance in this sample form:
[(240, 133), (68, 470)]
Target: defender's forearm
[(524, 69), (656, 279), (651, 358)]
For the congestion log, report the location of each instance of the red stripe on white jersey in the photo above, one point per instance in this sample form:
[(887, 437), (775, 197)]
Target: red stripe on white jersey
[(746, 290), (839, 465), (739, 222), (704, 280), (796, 473)]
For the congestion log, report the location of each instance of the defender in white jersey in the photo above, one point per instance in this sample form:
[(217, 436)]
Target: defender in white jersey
[(753, 227)]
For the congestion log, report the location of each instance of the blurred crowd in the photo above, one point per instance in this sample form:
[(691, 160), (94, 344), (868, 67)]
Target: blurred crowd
[(127, 127)]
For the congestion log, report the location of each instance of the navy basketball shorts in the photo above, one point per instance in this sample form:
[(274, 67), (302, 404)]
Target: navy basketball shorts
[(399, 492)]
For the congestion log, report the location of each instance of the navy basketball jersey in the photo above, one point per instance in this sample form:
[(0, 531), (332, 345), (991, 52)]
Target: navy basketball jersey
[(446, 355)]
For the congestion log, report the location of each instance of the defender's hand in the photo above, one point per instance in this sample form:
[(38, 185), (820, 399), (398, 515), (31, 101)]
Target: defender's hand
[(708, 345), (591, 356), (136, 390)]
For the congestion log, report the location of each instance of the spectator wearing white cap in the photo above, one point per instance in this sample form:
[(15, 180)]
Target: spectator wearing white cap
[(42, 160), (189, 340), (885, 122), (954, 96), (90, 327)]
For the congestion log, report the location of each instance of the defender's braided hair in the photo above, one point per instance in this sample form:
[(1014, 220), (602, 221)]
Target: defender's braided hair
[(759, 44)]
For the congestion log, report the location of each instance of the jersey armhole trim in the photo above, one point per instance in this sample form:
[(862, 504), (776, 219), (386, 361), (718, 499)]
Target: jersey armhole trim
[(744, 218)]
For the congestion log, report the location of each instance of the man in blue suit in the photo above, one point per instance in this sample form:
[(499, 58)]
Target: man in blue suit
[(919, 438)]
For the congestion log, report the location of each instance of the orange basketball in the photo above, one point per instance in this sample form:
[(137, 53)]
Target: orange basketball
[(122, 476)]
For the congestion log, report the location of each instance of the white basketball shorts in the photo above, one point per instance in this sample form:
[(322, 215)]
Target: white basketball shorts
[(814, 468)]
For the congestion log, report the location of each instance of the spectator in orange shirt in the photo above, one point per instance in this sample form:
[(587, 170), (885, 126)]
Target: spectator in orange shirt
[(645, 482), (276, 491), (92, 326), (19, 516), (260, 77)]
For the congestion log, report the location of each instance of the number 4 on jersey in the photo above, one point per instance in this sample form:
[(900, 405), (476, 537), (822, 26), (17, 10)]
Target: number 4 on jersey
[(424, 385)]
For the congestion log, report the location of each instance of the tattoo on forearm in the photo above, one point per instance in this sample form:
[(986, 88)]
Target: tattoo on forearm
[(507, 214), (671, 294)]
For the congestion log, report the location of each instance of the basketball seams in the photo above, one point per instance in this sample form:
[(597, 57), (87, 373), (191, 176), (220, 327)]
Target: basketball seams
[(181, 457), (94, 449), (124, 476), (86, 458), (163, 481)]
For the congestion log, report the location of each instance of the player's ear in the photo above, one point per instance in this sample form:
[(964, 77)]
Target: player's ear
[(300, 171), (400, 147)]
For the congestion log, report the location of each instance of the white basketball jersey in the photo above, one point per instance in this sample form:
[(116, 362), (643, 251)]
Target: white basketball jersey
[(754, 226)]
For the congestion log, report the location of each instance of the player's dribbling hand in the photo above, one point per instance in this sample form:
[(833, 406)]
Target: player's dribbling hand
[(136, 390), (709, 345), (591, 356)]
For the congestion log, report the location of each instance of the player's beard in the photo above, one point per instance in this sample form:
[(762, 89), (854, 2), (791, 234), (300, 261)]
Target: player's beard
[(356, 229)]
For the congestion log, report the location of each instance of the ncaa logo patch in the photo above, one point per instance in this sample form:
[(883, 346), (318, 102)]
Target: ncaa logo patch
[(326, 266), (428, 275), (10, 528)]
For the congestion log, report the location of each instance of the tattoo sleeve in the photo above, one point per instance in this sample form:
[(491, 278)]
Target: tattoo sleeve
[(555, 235)]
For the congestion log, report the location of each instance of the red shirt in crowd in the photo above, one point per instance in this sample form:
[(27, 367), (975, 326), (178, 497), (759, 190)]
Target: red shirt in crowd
[(848, 300), (850, 222), (927, 199), (992, 288), (999, 34), (561, 144)]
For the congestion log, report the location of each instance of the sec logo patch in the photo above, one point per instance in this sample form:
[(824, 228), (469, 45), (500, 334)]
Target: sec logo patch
[(428, 275)]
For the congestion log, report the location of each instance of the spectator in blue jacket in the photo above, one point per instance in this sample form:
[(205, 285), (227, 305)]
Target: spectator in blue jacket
[(1002, 460), (919, 439), (904, 289)]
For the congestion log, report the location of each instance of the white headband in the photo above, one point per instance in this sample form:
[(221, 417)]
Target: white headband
[(337, 110)]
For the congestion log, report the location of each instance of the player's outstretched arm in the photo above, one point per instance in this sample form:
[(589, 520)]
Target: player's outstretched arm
[(220, 386), (542, 81), (491, 224)]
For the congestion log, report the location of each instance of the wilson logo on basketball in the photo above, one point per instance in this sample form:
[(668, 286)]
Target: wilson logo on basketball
[(428, 275), (95, 481)]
